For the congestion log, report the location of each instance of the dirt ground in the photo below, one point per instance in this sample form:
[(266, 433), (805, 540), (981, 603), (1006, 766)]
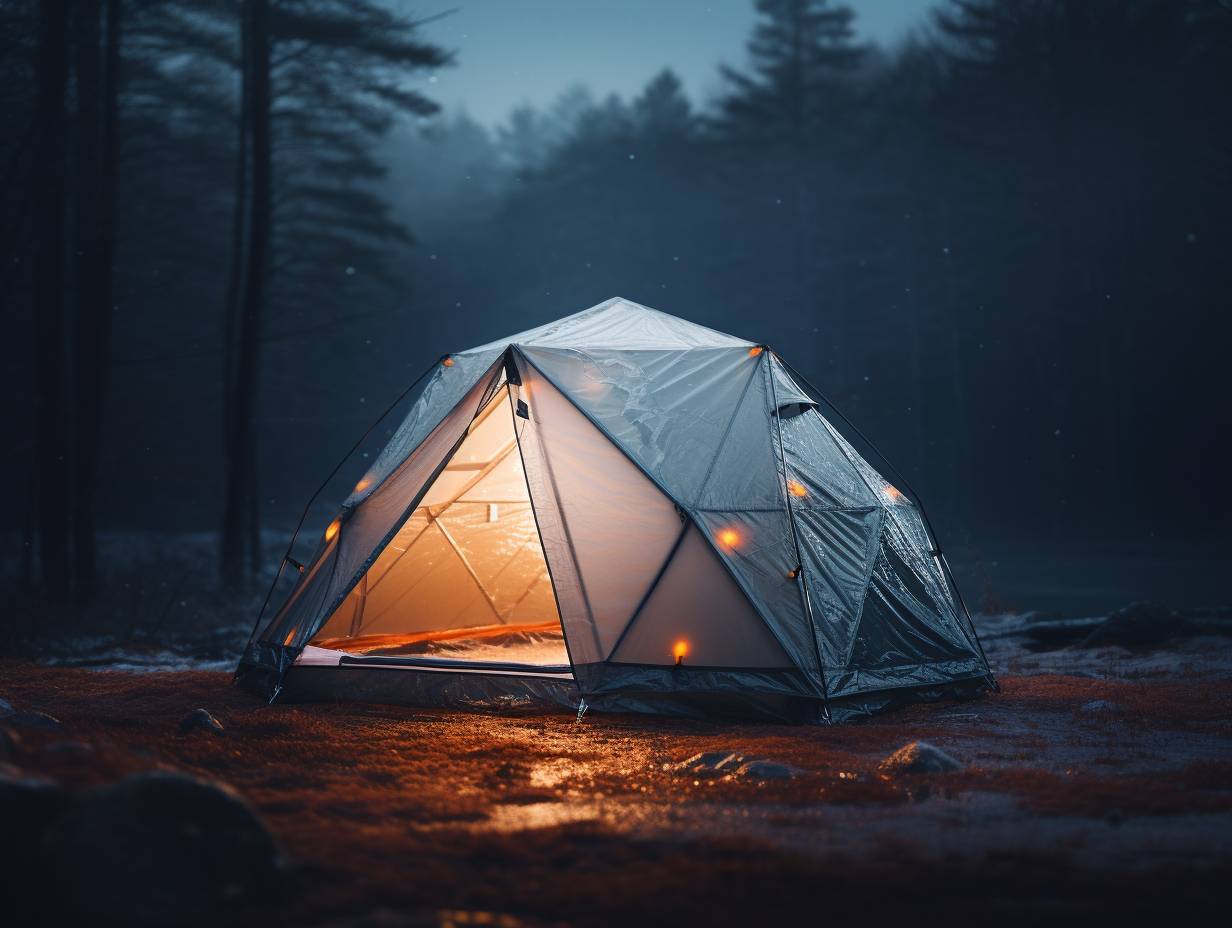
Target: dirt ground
[(1099, 783)]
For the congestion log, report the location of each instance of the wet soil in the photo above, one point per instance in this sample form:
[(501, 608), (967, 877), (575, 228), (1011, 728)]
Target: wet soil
[(1096, 784)]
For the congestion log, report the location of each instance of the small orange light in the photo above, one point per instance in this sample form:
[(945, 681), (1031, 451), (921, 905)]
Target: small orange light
[(363, 485), (755, 351), (447, 362), (290, 637), (729, 537), (679, 650), (331, 530), (893, 492), (796, 488)]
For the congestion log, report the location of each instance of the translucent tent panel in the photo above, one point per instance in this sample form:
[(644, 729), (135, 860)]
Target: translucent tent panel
[(839, 548), (757, 548), (899, 634), (444, 391), (367, 522), (468, 557), (607, 529), (743, 472), (668, 409), (697, 608)]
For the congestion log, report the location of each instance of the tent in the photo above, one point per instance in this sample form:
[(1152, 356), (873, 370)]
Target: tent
[(626, 511)]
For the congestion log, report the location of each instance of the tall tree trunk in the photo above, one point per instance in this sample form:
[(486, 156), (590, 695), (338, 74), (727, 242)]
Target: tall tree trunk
[(97, 168), (242, 444), (239, 219), (50, 406)]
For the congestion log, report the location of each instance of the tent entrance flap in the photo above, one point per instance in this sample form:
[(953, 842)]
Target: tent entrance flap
[(464, 578)]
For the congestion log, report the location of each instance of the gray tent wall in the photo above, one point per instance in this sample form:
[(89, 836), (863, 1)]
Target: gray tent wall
[(726, 476)]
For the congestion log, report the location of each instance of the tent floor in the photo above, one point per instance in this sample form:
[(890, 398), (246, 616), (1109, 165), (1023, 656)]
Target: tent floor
[(540, 645)]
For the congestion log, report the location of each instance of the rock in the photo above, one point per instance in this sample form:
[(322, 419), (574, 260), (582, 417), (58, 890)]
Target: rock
[(918, 757), (159, 845), (1099, 706), (1138, 625), (6, 708), (28, 804), (32, 719), (709, 763), (767, 770), (200, 719)]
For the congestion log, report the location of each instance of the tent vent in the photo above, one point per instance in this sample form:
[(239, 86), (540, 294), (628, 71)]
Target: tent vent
[(523, 409)]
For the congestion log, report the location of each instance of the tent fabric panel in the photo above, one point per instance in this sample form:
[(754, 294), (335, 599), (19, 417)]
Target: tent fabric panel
[(743, 472), (668, 410), (607, 529), (375, 519), (839, 549), (621, 325), (758, 551), (444, 391), (697, 604), (897, 630)]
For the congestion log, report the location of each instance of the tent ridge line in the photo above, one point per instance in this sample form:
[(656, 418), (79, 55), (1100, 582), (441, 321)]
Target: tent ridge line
[(672, 497), (795, 538)]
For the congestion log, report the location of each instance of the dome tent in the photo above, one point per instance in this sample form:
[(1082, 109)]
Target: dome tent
[(627, 511)]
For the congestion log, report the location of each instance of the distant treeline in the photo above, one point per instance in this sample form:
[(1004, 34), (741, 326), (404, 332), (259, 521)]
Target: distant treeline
[(1000, 247)]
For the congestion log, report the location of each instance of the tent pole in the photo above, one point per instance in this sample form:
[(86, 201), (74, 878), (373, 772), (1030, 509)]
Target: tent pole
[(333, 473), (795, 541), (919, 503)]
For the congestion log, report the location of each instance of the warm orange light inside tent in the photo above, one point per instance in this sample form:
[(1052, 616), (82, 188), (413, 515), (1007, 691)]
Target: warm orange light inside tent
[(729, 537), (796, 488), (679, 650), (755, 351), (447, 362), (331, 530)]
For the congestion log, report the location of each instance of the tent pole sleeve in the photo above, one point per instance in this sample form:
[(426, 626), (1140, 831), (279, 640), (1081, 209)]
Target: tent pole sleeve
[(333, 473), (945, 566), (795, 541)]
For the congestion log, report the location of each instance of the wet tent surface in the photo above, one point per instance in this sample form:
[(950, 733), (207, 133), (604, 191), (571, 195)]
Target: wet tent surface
[(1098, 780)]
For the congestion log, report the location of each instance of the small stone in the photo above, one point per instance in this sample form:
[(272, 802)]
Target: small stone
[(6, 708), (200, 719), (767, 770), (707, 763), (31, 719), (918, 757)]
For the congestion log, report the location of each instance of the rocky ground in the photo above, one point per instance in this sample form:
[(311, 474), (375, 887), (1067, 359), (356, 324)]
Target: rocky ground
[(1098, 783)]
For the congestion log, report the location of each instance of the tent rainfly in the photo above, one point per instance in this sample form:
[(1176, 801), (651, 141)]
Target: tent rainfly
[(626, 511)]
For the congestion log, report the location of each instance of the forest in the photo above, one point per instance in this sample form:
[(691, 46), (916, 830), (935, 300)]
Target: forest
[(232, 233)]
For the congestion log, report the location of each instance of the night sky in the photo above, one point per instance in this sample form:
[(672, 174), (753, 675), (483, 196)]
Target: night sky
[(527, 51)]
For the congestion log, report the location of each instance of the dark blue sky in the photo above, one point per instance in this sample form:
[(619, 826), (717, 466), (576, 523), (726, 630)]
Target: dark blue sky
[(517, 51)]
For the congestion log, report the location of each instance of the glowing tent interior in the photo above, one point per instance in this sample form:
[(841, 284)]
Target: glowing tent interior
[(623, 510)]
